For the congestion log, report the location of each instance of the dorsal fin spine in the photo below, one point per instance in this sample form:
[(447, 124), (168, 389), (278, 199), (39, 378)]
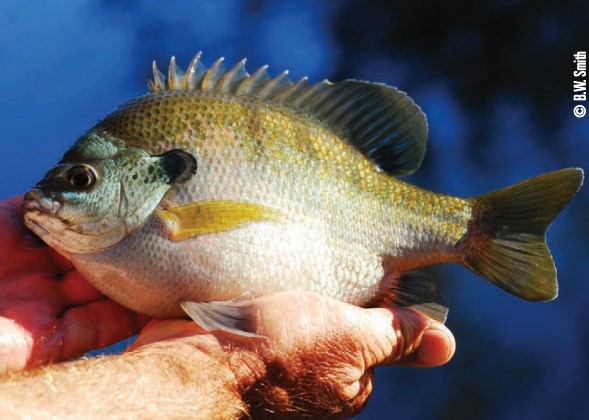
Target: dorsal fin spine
[(299, 100), (247, 86), (275, 85), (258, 79), (233, 77), (195, 72), (175, 75), (213, 76), (158, 78), (291, 91)]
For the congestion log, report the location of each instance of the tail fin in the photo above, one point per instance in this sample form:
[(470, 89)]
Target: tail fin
[(506, 243)]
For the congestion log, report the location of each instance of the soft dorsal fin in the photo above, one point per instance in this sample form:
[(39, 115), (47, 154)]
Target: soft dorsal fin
[(380, 121)]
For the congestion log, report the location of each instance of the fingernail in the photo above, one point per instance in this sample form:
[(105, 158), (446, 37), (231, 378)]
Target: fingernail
[(437, 346)]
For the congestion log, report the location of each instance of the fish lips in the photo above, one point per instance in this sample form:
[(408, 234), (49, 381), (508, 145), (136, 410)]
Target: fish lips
[(36, 200)]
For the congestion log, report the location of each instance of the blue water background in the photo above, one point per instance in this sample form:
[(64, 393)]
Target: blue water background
[(494, 78)]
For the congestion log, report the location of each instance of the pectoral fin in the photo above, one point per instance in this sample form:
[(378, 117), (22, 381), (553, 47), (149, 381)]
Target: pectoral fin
[(235, 316), (204, 217)]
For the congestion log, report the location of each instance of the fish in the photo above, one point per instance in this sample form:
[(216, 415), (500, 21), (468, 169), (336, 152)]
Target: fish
[(219, 186)]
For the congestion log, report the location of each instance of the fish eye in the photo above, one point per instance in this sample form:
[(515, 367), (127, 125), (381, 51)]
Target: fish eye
[(80, 176)]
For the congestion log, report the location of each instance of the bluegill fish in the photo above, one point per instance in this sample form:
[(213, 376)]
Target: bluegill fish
[(219, 186)]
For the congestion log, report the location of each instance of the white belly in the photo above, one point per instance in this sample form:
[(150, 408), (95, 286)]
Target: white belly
[(149, 273)]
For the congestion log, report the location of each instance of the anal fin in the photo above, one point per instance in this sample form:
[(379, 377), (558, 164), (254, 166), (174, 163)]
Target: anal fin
[(415, 290), (235, 316)]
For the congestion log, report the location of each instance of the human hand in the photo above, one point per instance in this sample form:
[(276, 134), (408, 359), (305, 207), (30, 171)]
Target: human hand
[(48, 312), (319, 356)]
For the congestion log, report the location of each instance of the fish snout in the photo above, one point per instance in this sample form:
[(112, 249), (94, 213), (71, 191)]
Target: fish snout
[(36, 200)]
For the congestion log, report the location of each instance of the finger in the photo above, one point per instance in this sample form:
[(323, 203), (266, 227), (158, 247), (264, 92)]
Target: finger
[(97, 325), (86, 328), (16, 345), (29, 286), (20, 249), (77, 291), (30, 260), (413, 339), (168, 329), (355, 396), (23, 324), (364, 391), (62, 264), (19, 241), (15, 234)]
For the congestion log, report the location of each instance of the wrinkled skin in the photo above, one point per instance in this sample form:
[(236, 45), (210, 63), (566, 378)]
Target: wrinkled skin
[(318, 359)]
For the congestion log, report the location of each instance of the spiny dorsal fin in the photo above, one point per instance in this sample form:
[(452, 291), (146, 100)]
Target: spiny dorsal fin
[(380, 121)]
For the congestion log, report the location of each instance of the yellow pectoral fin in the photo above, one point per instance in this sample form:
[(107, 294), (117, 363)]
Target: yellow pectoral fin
[(204, 217)]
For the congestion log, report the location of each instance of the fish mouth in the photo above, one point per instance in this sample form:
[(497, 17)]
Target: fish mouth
[(36, 200)]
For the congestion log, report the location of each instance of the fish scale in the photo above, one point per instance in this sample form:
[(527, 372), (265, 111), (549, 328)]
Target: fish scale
[(218, 187)]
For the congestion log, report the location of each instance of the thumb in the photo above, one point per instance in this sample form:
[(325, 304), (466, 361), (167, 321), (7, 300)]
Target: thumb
[(402, 336)]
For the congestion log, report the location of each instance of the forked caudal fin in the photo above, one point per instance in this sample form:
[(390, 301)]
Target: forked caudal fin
[(506, 241)]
